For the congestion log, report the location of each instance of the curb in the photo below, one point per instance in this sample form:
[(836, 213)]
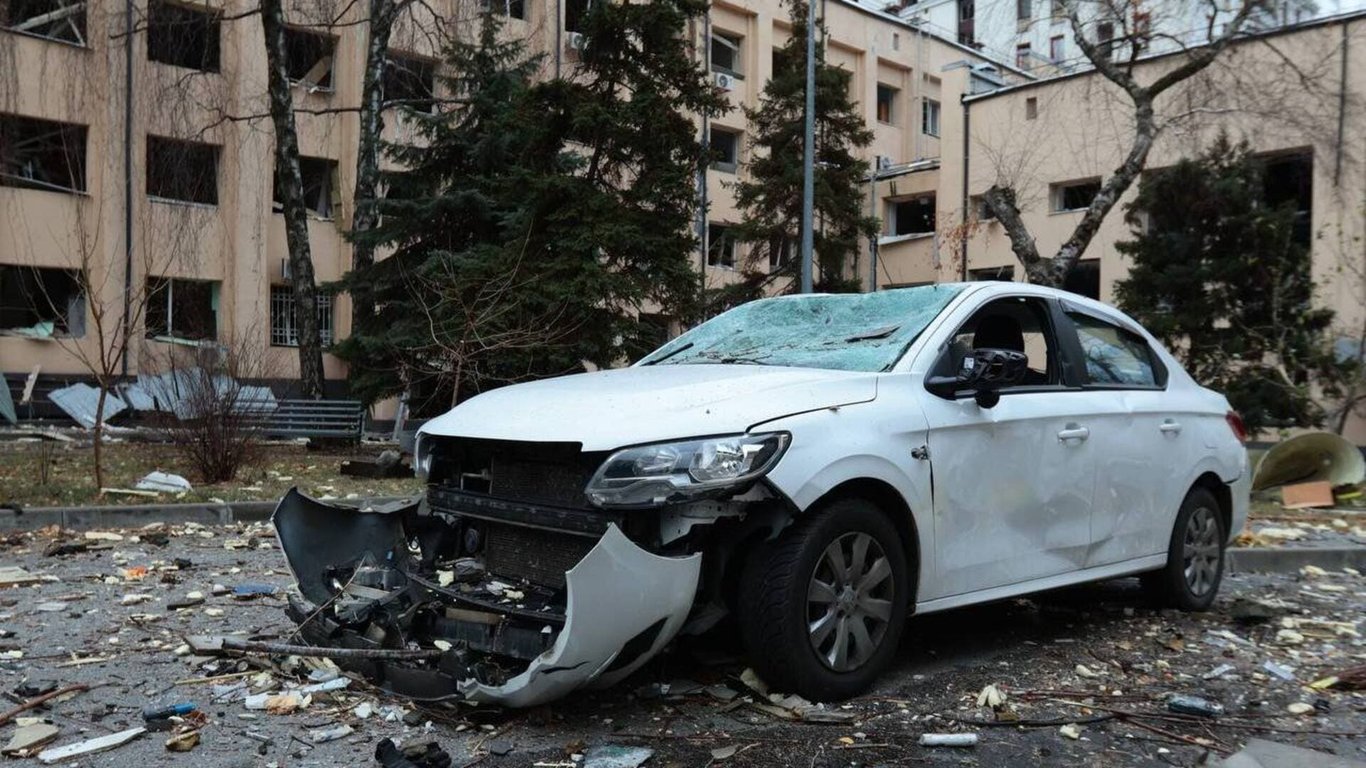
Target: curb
[(1292, 559), (138, 515)]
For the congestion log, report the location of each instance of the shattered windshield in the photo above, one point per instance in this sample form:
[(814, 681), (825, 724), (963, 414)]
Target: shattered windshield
[(849, 331)]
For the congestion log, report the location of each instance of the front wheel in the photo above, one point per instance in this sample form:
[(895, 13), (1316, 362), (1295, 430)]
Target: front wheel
[(1195, 556), (822, 607)]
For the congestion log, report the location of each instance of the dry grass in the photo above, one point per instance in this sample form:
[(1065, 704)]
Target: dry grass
[(70, 477)]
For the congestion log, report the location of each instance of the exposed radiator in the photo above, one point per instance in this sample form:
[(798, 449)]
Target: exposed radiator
[(541, 557)]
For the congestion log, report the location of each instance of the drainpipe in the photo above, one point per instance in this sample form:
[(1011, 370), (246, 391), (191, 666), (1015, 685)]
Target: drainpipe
[(127, 178), (967, 124), (872, 239), (559, 44), (702, 170), (1342, 105)]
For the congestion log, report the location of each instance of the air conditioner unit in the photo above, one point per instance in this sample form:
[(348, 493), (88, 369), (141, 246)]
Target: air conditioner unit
[(285, 272), (574, 41), (725, 81)]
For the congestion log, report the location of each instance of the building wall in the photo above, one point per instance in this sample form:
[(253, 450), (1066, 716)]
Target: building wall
[(239, 242), (1283, 93)]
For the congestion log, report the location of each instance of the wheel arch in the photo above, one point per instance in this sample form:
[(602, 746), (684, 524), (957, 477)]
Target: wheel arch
[(1222, 494), (887, 499)]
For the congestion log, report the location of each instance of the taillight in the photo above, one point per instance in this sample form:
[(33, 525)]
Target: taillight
[(1235, 423)]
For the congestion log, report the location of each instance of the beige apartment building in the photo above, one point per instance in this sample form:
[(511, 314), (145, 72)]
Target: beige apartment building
[(144, 158)]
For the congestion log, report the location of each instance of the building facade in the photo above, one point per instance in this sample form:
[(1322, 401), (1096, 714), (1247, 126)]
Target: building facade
[(135, 149)]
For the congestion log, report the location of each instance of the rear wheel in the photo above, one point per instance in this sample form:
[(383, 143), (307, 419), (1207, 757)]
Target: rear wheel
[(1195, 556), (822, 607)]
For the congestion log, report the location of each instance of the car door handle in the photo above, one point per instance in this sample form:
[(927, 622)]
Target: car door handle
[(1170, 427), (1074, 432)]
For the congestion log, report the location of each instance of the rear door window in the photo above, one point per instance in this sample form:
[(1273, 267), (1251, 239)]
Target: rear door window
[(1113, 356)]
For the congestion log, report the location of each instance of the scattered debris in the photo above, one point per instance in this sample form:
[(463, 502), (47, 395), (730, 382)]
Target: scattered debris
[(163, 481), (89, 746), (1194, 705), (1300, 708), (948, 740), (80, 401), (1268, 754), (32, 733), (183, 742), (1279, 670), (1071, 731), (613, 756), (332, 733), (1307, 495), (12, 576)]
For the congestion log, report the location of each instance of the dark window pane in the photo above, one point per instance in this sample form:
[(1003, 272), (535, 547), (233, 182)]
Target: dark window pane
[(913, 217), (1084, 279), (182, 170), (42, 154), (182, 37)]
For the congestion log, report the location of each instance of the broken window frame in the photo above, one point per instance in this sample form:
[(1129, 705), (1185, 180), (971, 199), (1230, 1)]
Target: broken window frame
[(176, 32), (1005, 274), (31, 296), (1064, 197), (61, 21), (575, 11), (512, 9), (720, 246), (284, 325), (410, 83), (726, 150), (781, 251), (900, 217), (164, 306), (314, 73), (886, 103), (38, 154), (322, 187), (173, 175), (930, 113), (727, 41)]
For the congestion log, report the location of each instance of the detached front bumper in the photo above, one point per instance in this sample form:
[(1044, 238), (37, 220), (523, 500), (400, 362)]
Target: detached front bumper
[(365, 582)]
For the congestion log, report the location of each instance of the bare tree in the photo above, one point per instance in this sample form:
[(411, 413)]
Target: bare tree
[(290, 185), (1135, 41)]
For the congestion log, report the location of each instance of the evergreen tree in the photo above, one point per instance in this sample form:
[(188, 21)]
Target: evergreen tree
[(1221, 277), (538, 219), (771, 197), (449, 218)]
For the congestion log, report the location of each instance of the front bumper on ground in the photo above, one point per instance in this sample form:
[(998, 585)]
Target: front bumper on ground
[(621, 606)]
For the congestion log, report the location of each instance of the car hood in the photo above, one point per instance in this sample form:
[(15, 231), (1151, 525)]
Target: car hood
[(628, 406)]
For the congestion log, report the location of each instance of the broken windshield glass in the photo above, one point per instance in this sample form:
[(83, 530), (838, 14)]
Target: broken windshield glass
[(851, 331)]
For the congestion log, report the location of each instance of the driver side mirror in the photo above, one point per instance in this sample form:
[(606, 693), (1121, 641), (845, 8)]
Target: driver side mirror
[(986, 372)]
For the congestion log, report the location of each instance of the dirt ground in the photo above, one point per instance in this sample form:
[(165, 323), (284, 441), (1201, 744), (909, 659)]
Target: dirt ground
[(1067, 656), (36, 473)]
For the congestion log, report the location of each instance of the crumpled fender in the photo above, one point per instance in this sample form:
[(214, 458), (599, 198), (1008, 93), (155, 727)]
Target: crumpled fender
[(624, 606)]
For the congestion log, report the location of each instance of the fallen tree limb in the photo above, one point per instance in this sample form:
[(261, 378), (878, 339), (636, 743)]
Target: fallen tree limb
[(38, 701)]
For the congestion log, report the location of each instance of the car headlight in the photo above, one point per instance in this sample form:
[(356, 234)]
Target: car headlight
[(650, 475)]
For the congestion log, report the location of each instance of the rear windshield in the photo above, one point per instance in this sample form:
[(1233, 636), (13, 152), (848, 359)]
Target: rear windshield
[(848, 331)]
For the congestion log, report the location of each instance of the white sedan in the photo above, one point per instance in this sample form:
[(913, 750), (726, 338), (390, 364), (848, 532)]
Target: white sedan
[(817, 467)]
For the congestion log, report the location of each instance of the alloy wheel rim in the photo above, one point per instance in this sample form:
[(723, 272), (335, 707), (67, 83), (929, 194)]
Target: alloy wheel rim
[(1200, 552), (849, 601)]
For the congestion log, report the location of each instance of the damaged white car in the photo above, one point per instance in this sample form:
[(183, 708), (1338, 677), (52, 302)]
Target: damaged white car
[(817, 467)]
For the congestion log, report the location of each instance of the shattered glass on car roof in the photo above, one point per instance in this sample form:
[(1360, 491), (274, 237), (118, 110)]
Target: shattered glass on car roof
[(849, 331)]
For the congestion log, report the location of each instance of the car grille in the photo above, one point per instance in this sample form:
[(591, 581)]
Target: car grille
[(534, 473), (540, 557)]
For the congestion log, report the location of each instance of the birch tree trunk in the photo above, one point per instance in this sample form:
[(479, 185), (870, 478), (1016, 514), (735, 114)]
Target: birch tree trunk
[(290, 184), (382, 15)]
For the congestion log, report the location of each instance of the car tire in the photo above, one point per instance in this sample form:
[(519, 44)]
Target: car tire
[(812, 627), (1195, 556)]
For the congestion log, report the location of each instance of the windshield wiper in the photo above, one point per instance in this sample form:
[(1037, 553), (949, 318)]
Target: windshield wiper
[(880, 333), (683, 348)]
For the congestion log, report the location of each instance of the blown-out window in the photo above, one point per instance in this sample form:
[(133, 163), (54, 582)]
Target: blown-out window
[(42, 154), (182, 309), (182, 36)]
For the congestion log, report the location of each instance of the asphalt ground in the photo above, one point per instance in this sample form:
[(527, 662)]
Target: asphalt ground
[(1098, 653)]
